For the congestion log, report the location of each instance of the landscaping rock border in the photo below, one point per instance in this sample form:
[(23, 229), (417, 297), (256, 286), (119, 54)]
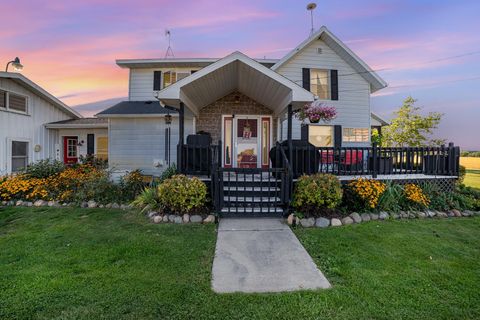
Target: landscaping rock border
[(157, 217), (56, 204), (355, 218)]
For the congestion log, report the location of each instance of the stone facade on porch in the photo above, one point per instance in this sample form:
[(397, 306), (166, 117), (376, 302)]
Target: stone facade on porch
[(210, 117)]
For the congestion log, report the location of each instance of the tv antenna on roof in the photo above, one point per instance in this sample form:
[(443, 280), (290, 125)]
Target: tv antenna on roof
[(169, 52), (310, 7)]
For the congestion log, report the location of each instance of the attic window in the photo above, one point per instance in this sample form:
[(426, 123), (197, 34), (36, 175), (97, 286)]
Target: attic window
[(13, 102), (319, 50)]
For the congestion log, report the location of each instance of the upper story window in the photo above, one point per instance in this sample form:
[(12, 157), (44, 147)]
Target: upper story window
[(170, 77), (320, 83), (13, 102)]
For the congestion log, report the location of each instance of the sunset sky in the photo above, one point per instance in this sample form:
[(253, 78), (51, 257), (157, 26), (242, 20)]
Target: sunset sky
[(427, 49)]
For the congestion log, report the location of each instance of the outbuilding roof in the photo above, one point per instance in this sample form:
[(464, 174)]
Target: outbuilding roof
[(79, 123), (33, 87), (135, 108)]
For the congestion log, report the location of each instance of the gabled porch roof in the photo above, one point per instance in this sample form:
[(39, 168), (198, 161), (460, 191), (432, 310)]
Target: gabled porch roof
[(235, 72)]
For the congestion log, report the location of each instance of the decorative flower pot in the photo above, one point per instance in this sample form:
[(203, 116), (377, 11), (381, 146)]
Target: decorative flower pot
[(314, 120)]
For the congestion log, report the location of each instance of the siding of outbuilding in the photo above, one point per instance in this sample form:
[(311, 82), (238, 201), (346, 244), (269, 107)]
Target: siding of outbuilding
[(353, 105), (136, 143), (29, 127), (82, 136)]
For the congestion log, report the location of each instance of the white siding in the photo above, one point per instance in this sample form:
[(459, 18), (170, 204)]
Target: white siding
[(28, 127), (136, 143), (141, 82), (82, 136), (353, 105)]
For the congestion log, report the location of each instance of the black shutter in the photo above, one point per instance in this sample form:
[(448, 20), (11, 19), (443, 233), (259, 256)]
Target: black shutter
[(304, 132), (90, 144), (306, 78), (157, 80), (334, 84), (337, 136)]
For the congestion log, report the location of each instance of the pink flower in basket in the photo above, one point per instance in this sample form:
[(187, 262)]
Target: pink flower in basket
[(316, 111)]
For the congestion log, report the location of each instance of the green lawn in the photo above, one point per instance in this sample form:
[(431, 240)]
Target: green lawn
[(472, 178), (97, 264)]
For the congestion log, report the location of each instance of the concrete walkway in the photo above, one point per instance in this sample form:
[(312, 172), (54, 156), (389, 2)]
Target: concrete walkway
[(262, 255)]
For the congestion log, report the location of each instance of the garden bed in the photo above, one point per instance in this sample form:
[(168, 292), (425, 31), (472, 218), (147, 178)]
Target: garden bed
[(325, 222)]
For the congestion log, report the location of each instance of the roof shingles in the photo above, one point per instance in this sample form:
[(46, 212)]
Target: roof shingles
[(135, 107)]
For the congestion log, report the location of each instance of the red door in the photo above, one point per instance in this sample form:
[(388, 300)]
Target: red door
[(70, 152)]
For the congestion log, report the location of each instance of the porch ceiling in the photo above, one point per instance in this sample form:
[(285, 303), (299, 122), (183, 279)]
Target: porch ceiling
[(235, 72)]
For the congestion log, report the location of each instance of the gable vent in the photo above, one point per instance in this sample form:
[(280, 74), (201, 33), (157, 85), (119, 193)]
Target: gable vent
[(319, 50)]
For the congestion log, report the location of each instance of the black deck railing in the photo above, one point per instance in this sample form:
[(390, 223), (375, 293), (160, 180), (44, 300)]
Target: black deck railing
[(375, 160), (233, 188), (198, 159)]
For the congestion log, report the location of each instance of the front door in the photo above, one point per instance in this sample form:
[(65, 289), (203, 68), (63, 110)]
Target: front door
[(247, 141), (70, 151)]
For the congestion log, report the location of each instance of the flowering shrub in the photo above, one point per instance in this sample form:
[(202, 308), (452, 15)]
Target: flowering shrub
[(132, 184), (21, 187), (366, 192), (48, 180), (316, 111), (180, 194), (415, 195), (316, 192)]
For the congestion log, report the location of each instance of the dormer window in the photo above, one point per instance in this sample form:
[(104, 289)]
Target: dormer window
[(320, 83)]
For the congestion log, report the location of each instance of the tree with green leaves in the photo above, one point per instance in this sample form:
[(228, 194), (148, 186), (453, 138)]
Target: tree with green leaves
[(410, 128)]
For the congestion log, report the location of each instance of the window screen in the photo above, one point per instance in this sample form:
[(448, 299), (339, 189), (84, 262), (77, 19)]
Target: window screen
[(19, 155)]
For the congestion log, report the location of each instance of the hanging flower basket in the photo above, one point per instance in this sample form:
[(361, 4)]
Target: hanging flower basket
[(316, 111)]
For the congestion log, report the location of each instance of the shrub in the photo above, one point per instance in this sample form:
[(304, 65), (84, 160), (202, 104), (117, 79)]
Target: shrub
[(147, 200), (180, 194), (132, 184), (168, 173), (364, 194), (44, 168), (19, 187), (462, 171), (391, 199), (93, 161), (415, 196), (317, 192)]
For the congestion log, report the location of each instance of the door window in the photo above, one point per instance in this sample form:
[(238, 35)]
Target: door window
[(247, 143)]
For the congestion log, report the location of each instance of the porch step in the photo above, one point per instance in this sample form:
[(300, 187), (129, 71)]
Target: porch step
[(251, 199), (276, 210), (250, 189)]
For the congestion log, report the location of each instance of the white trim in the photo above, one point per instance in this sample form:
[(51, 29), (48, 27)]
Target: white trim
[(9, 151), (183, 62), (40, 92), (234, 136), (133, 115), (379, 119), (378, 84), (172, 95), (76, 126)]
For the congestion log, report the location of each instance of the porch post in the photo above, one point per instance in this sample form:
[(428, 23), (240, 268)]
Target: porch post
[(181, 133), (289, 133)]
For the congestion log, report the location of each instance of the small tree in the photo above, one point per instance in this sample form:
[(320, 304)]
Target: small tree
[(410, 129)]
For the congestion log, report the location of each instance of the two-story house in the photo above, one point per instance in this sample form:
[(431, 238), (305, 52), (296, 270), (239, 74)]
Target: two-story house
[(243, 104)]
